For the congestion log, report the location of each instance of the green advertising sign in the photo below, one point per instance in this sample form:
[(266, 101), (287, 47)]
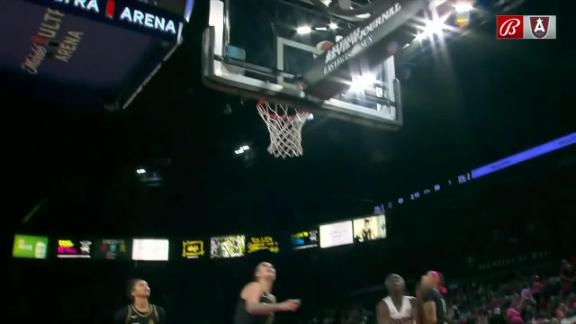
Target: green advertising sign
[(30, 247)]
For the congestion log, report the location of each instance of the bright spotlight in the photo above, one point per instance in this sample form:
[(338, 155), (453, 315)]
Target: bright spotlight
[(433, 27), (363, 16), (303, 30), (333, 26), (242, 149), (463, 7), (141, 171), (362, 82), (321, 28)]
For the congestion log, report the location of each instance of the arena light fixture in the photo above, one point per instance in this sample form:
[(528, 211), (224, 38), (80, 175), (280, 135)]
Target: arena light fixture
[(333, 25), (463, 7), (242, 149), (432, 27), (304, 30), (141, 171), (362, 82)]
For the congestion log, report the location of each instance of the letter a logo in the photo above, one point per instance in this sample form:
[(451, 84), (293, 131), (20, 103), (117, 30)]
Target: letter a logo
[(539, 26)]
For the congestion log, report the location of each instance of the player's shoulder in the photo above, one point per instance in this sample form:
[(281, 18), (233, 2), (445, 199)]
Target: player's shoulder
[(123, 310), (120, 315), (252, 287), (161, 313), (429, 294), (384, 302), (382, 306)]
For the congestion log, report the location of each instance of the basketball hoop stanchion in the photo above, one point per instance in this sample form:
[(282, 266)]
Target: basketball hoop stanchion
[(284, 122)]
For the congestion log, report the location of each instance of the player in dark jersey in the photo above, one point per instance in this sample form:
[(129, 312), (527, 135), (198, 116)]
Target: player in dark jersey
[(140, 310), (433, 304), (256, 304)]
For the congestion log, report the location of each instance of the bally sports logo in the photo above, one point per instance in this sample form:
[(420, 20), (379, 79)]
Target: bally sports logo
[(526, 27)]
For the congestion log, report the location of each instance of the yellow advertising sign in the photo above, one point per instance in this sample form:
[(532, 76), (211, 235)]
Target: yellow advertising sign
[(192, 249), (263, 243), (304, 234)]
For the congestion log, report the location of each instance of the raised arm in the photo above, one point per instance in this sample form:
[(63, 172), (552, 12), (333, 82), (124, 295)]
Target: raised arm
[(382, 313), (251, 295)]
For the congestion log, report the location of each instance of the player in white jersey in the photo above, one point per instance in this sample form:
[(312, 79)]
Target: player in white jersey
[(396, 308)]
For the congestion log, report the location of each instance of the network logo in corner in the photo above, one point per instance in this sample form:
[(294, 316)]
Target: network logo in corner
[(541, 27), (526, 27)]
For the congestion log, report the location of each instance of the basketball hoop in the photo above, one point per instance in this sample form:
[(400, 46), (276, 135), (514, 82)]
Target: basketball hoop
[(285, 124)]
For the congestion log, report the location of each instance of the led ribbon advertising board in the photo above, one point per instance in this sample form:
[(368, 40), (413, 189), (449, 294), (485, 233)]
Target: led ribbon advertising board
[(150, 249), (336, 234), (262, 243), (305, 240), (230, 246), (74, 249), (193, 249), (112, 249), (30, 247), (369, 228)]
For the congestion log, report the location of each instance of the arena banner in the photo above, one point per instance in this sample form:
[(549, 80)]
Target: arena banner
[(130, 14), (365, 47), (104, 48)]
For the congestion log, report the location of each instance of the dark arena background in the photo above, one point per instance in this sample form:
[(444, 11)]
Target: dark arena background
[(126, 154)]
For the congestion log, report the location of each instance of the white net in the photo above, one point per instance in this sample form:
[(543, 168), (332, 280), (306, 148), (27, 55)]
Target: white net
[(285, 124)]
